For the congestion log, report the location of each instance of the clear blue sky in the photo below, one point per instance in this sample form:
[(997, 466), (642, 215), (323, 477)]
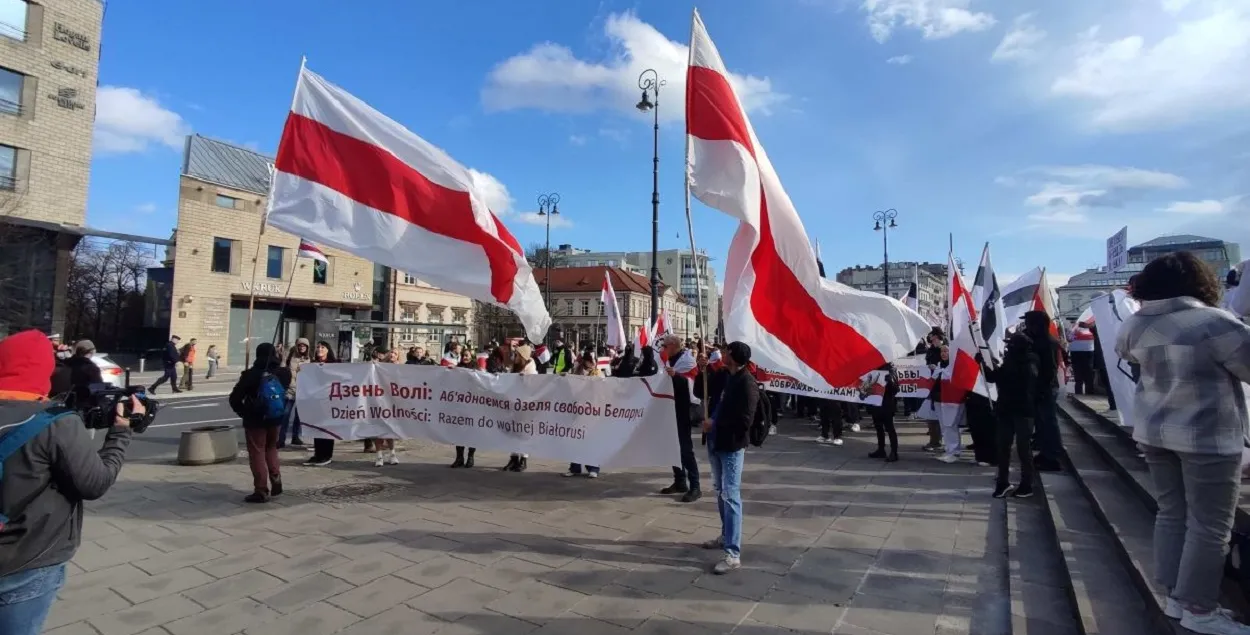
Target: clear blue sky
[(1042, 127)]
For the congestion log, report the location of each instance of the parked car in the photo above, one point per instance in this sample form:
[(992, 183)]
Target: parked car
[(112, 374)]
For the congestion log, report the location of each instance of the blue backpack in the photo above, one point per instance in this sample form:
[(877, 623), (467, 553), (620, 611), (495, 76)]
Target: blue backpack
[(21, 434), (271, 402)]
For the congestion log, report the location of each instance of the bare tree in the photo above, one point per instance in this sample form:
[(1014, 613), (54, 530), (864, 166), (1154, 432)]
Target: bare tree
[(106, 292), (536, 254)]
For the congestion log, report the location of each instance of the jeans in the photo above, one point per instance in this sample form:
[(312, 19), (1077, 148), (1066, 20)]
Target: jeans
[(576, 468), (293, 424), (1049, 443), (26, 597), (212, 369), (727, 477), (1018, 429), (1197, 496), (262, 457), (689, 470)]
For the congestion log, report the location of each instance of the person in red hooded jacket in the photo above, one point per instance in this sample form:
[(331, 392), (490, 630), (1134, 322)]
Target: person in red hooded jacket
[(44, 483)]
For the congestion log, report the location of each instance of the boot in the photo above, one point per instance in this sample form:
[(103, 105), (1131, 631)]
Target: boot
[(878, 454), (513, 461), (275, 486), (368, 446), (521, 465), (678, 487), (468, 463), (893, 458), (459, 462)]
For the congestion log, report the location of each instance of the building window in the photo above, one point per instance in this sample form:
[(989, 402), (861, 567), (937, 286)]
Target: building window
[(229, 202), (8, 168), (11, 83), (585, 307), (459, 316), (273, 264), (435, 314), (13, 19), (223, 255), (409, 279), (568, 307), (321, 272)]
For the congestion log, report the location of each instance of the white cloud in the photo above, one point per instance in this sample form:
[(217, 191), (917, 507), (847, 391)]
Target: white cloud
[(899, 60), (1117, 177), (532, 218), (1067, 191), (550, 77), (577, 140), (1066, 216), (1208, 207), (1143, 81), (619, 135), (129, 121), (1020, 42), (935, 19), (492, 191), (145, 208)]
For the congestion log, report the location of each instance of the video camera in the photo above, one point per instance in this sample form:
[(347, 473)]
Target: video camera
[(100, 407)]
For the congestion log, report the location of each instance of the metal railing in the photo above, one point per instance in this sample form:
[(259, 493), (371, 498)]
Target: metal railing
[(10, 107), (8, 183), (12, 32)]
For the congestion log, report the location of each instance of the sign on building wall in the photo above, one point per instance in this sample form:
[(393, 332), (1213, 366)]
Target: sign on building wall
[(215, 314), (1117, 250)]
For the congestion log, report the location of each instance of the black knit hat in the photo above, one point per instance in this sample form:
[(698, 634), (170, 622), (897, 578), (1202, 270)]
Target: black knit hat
[(740, 353)]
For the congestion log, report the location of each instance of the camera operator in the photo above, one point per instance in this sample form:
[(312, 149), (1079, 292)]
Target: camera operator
[(83, 373), (44, 482)]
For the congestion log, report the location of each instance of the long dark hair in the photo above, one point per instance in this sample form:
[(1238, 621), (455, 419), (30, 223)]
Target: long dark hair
[(1177, 275), (331, 358)]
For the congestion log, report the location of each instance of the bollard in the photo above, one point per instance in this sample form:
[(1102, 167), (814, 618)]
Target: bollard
[(142, 361)]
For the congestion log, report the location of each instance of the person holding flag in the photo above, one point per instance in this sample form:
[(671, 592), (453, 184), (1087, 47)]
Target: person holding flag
[(1037, 325), (681, 366)]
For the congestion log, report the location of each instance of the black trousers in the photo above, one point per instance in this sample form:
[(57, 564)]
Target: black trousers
[(830, 419), (778, 400), (884, 424), (982, 425), (1105, 381), (689, 471), (323, 448), (1083, 371), (171, 376), (1020, 430)]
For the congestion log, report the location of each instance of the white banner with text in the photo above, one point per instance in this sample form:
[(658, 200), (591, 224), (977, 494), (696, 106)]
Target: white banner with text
[(914, 380), (591, 420)]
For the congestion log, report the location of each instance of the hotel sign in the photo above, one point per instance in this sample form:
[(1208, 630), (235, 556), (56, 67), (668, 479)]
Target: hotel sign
[(67, 98), (264, 288), (62, 33), (356, 294)]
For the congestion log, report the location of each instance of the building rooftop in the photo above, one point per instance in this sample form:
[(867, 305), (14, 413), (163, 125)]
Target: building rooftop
[(226, 164), (1178, 239), (590, 279)]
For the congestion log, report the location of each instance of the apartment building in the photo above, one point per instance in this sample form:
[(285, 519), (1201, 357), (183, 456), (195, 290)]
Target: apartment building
[(49, 61), (431, 317)]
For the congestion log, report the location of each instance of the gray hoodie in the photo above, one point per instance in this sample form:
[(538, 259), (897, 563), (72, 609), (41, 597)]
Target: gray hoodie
[(45, 483)]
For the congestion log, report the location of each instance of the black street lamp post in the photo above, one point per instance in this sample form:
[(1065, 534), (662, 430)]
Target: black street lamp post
[(884, 222), (548, 206), (649, 81)]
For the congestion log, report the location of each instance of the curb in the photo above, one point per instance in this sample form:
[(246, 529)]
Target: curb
[(189, 394)]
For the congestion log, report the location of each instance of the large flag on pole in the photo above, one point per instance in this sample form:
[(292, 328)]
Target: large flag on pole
[(308, 250), (1021, 296), (354, 179), (612, 314), (987, 296), (816, 330)]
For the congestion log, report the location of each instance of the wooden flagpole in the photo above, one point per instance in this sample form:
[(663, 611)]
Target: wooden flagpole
[(700, 318), (264, 220)]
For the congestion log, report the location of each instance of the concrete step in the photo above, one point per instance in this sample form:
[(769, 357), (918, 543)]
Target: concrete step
[(1107, 532), (1041, 603)]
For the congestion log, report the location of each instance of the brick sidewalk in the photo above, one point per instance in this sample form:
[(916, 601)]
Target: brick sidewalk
[(834, 542)]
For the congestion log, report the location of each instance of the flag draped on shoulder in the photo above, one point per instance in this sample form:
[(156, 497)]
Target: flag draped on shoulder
[(816, 330), (988, 298), (356, 180), (612, 314)]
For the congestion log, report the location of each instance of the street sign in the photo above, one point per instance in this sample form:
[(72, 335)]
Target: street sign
[(1117, 250)]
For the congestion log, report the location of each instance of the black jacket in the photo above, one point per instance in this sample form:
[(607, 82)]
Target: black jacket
[(889, 401), (82, 373), (1047, 349), (1017, 382), (248, 387), (681, 394), (736, 412), (715, 386), (172, 356), (45, 484)]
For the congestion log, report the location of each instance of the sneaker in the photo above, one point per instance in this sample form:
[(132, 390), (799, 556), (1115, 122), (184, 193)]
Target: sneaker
[(379, 462), (982, 464), (854, 427), (931, 448), (1174, 610), (715, 543), (772, 429), (1214, 623), (256, 497), (299, 443), (570, 474), (317, 462), (1002, 491), (949, 458), (823, 440), (1023, 491), (275, 487), (592, 475), (392, 459), (692, 496), (837, 441), (727, 565)]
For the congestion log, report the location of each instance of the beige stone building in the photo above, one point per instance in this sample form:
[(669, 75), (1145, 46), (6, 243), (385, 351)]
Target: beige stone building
[(432, 317), (577, 312), (220, 258), (49, 58)]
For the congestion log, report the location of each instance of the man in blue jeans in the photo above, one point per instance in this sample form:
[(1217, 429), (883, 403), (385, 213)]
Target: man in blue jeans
[(727, 441), (44, 483)]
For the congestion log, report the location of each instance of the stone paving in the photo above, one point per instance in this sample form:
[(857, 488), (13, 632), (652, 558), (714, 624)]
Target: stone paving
[(834, 543)]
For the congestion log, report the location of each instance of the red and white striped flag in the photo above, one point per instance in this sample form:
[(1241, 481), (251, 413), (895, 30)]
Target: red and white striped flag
[(612, 313), (358, 181), (816, 330), (450, 360), (482, 358), (308, 250)]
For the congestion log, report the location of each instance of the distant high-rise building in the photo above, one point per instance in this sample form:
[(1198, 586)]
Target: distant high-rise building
[(930, 292)]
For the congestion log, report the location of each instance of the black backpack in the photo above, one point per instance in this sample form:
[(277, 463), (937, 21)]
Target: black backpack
[(758, 432)]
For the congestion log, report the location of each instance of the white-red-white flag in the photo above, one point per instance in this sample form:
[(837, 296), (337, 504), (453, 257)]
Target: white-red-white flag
[(611, 313), (816, 330), (358, 181), (308, 250)]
